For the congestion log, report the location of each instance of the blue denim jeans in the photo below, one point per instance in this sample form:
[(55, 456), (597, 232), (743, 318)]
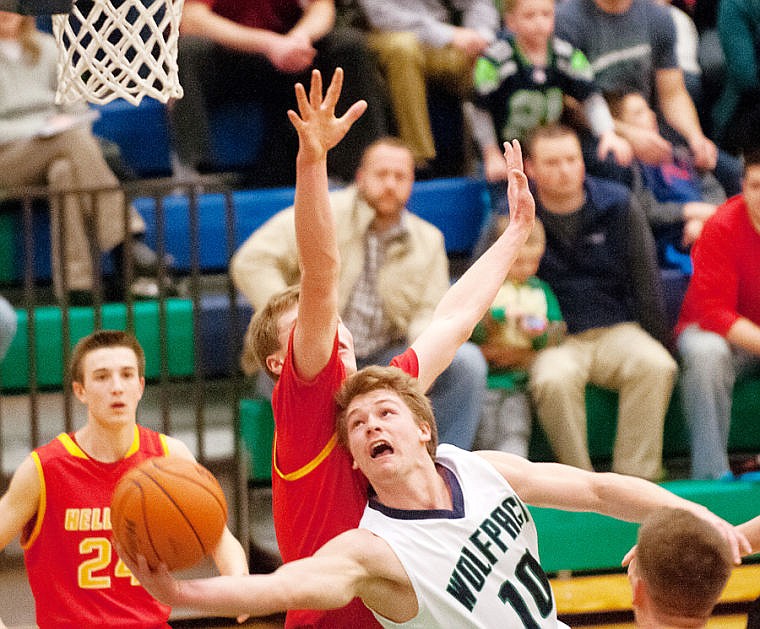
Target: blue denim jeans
[(7, 326), (457, 395), (709, 368)]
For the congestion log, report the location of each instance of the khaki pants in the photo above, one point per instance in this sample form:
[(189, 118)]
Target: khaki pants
[(623, 358), (407, 64), (72, 161)]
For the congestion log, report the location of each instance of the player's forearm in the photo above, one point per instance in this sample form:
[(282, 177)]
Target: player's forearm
[(229, 556), (474, 292), (314, 224)]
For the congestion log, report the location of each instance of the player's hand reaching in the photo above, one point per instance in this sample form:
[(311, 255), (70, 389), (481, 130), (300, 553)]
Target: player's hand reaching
[(318, 128), (522, 207)]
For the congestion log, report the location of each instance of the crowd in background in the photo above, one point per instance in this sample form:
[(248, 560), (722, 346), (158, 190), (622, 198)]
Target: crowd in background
[(635, 117)]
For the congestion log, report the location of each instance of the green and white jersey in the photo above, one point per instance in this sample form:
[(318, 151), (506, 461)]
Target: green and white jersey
[(520, 96), (475, 566)]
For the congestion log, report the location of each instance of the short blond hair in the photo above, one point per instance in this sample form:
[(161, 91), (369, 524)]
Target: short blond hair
[(262, 337), (376, 378)]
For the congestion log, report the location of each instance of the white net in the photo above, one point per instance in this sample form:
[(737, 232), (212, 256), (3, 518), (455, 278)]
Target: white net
[(120, 49)]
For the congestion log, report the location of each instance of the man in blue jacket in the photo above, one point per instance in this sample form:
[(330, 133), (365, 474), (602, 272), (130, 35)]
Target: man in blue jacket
[(600, 261)]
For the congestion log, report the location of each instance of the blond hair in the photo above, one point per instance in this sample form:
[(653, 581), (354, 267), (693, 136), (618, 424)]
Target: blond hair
[(262, 337), (393, 379)]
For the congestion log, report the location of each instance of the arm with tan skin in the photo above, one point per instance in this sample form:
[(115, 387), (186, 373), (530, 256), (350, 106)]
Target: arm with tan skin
[(355, 563), (623, 497), (752, 530), (291, 52), (229, 556), (466, 301), (20, 502), (679, 111), (318, 130)]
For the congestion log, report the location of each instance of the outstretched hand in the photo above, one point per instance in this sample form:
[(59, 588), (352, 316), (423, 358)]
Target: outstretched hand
[(318, 128), (522, 206)]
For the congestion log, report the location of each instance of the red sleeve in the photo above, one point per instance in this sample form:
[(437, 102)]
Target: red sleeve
[(712, 297), (407, 362)]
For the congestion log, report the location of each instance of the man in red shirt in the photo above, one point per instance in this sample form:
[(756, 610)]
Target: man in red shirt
[(719, 325), (244, 51), (300, 341)]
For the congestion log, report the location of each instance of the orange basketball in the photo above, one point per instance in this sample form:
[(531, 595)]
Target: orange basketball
[(170, 510)]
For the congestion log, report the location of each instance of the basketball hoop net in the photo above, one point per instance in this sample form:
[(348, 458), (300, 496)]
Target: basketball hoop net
[(118, 49)]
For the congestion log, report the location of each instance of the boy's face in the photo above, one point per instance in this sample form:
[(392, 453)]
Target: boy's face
[(526, 264), (636, 112), (532, 22), (111, 386)]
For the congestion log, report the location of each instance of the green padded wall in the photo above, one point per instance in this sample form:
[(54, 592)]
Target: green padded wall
[(14, 371), (257, 432), (8, 229)]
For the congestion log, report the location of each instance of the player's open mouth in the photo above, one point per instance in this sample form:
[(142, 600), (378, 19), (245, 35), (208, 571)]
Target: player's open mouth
[(380, 448)]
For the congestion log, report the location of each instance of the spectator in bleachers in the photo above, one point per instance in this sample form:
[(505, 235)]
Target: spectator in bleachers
[(736, 115), (600, 261), (631, 46), (524, 318), (687, 52), (417, 41), (8, 323), (43, 144), (253, 51), (719, 324), (393, 273), (522, 81), (683, 197)]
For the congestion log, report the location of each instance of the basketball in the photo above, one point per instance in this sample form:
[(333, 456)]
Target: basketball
[(170, 510)]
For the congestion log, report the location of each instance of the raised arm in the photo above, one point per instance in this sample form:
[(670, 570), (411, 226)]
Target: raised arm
[(465, 303), (318, 131), (623, 497)]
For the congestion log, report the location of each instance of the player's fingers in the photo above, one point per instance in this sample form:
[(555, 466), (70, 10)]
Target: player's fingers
[(508, 155), (354, 112), (295, 119), (334, 89), (303, 103), (315, 92), (629, 557), (517, 155)]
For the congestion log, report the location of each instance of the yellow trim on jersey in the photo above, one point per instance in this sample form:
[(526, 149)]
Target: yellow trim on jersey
[(135, 444), (164, 443), (310, 466), (26, 543), (71, 447)]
